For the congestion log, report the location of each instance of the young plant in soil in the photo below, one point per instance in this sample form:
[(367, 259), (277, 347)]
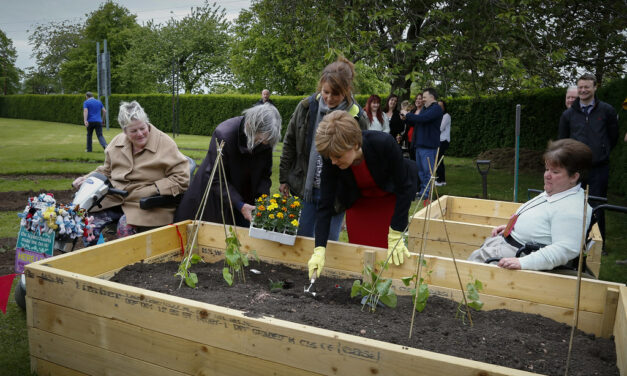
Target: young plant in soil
[(376, 291), (472, 293), (420, 293), (234, 259), (191, 279)]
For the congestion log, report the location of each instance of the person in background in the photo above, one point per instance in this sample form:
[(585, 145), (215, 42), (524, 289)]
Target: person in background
[(553, 219), (93, 112), (445, 139), (409, 127), (377, 121), (365, 173), (426, 137), (393, 117), (301, 165), (571, 95), (145, 162), (594, 123), (247, 157), (265, 98)]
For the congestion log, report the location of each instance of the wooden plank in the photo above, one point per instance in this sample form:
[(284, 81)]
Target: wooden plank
[(487, 208), (441, 248), (477, 219), (193, 358), (99, 259), (458, 232), (435, 210), (609, 314), (88, 359), (532, 286), (296, 345), (588, 322), (620, 332), (45, 368)]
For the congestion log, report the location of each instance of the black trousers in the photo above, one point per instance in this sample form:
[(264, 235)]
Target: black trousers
[(441, 171), (598, 181)]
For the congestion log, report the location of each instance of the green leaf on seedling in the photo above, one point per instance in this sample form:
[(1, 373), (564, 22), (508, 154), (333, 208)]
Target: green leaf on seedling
[(195, 259), (384, 287), (422, 296), (407, 280), (191, 280), (244, 259), (389, 300), (228, 277), (254, 253), (356, 289)]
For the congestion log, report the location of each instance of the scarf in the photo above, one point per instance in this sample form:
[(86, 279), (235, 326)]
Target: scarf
[(312, 171)]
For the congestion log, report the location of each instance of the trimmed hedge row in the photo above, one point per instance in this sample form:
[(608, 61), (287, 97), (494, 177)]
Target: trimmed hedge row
[(478, 124)]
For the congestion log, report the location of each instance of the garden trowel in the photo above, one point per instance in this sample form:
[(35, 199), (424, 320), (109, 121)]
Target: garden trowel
[(311, 282)]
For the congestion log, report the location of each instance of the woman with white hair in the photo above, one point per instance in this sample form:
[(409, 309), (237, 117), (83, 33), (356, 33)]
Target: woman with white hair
[(247, 157), (145, 162)]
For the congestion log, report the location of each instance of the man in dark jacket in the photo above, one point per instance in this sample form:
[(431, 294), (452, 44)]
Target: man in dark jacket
[(594, 123), (426, 137)]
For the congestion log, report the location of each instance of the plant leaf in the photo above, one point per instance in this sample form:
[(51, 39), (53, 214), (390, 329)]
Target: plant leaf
[(407, 280), (228, 277), (195, 259), (191, 280), (389, 300), (356, 289)]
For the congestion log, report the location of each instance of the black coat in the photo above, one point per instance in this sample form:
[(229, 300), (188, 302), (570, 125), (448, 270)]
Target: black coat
[(248, 176), (388, 168), (598, 130)]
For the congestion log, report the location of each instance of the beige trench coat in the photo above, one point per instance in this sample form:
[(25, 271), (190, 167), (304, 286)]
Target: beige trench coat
[(158, 169)]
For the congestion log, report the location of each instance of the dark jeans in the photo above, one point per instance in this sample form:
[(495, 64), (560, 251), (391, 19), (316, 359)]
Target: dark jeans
[(598, 180), (94, 125), (441, 171)]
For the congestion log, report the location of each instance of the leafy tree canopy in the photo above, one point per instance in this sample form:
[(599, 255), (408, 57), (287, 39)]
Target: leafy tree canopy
[(9, 73)]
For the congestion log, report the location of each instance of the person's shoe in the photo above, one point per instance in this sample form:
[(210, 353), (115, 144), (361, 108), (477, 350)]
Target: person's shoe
[(440, 184), (87, 151)]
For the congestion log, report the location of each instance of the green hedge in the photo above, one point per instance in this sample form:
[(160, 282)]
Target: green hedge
[(478, 124)]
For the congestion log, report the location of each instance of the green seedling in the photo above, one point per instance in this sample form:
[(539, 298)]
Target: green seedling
[(472, 294), (374, 292), (234, 259), (191, 279), (276, 285), (420, 293)]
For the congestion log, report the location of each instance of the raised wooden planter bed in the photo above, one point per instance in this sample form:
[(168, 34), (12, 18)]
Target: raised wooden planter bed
[(469, 221), (81, 323)]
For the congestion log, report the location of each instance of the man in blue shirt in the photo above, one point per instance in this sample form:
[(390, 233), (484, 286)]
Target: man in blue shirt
[(426, 137), (93, 110)]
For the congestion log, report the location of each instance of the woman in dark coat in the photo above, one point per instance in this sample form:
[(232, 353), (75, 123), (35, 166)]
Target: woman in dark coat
[(365, 172), (247, 157)]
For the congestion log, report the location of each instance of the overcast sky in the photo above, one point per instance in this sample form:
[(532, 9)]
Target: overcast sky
[(19, 16)]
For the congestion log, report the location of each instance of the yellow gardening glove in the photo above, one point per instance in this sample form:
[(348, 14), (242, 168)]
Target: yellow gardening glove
[(397, 250), (316, 262)]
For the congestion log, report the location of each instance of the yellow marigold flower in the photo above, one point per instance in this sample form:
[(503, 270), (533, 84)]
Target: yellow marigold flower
[(261, 208), (283, 201), (294, 223), (264, 195), (272, 206), (296, 203), (271, 216), (276, 195), (284, 209), (279, 215)]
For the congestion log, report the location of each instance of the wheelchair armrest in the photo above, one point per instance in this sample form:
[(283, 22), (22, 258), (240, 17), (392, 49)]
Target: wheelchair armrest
[(159, 201)]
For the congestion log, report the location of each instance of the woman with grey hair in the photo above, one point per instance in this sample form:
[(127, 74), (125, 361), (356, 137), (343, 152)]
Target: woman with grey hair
[(247, 157), (145, 162)]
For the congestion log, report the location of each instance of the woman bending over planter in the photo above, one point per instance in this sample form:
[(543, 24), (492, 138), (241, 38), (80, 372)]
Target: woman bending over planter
[(300, 165), (365, 173), (145, 162), (247, 157), (552, 220)]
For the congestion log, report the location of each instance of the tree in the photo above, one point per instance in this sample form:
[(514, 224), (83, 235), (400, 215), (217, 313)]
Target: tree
[(113, 23), (197, 46), (9, 73), (37, 82), (51, 44)]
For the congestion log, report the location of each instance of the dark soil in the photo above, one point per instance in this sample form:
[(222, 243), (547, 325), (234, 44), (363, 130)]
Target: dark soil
[(512, 339), (530, 161), (17, 200)]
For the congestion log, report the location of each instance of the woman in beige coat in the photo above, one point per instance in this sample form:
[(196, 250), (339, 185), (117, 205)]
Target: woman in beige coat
[(144, 162)]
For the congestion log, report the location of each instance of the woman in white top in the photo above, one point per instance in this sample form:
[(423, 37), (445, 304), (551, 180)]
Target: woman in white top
[(553, 219), (445, 139), (375, 115)]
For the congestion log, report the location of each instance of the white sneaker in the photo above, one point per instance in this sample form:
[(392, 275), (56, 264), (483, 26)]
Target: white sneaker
[(440, 184)]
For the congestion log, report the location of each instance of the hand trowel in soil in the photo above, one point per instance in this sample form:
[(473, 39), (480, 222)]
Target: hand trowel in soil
[(307, 289)]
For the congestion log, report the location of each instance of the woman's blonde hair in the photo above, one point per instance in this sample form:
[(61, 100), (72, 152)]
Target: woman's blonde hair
[(339, 75), (338, 132)]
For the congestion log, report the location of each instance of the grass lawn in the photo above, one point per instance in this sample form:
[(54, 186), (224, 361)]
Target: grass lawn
[(30, 150)]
